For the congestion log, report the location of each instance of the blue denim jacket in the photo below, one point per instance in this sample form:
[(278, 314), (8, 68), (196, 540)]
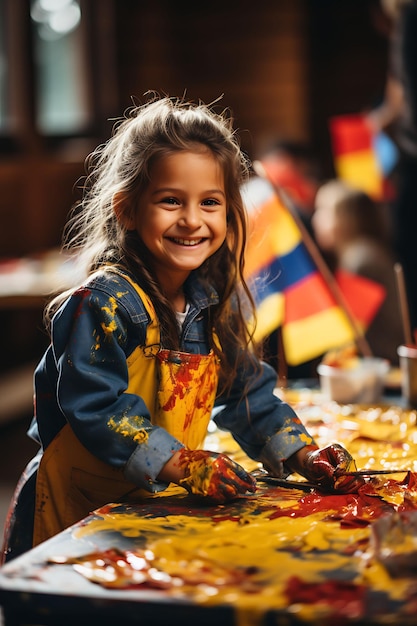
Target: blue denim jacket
[(83, 377)]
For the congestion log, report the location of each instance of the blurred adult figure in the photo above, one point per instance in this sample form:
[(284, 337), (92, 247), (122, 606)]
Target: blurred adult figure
[(398, 112)]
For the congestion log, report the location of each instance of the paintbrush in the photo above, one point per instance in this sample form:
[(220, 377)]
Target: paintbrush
[(264, 477), (371, 472)]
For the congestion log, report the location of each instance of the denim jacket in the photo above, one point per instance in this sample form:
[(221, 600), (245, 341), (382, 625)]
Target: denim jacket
[(83, 376)]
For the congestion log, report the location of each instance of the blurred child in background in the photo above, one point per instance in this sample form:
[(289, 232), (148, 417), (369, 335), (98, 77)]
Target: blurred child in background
[(351, 230)]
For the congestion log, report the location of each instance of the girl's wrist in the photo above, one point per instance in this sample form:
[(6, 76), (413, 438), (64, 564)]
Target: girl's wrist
[(172, 472), (296, 462)]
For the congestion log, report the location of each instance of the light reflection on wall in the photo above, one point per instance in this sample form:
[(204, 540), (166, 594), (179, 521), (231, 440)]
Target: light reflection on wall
[(55, 18), (59, 54)]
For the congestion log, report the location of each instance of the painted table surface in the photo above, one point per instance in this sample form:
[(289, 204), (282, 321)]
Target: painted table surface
[(279, 556)]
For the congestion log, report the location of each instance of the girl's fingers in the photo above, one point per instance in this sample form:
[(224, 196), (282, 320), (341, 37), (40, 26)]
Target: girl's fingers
[(213, 475)]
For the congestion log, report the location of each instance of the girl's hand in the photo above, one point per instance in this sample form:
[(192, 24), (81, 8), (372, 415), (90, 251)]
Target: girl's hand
[(212, 475), (325, 467)]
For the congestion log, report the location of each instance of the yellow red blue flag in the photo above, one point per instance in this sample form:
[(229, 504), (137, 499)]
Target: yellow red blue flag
[(362, 158), (289, 290)]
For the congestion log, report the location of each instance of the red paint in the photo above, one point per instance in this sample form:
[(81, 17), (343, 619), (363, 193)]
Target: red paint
[(85, 293), (214, 476), (358, 509), (346, 600), (181, 376)]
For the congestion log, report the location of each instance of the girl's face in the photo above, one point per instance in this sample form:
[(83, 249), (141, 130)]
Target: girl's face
[(181, 217)]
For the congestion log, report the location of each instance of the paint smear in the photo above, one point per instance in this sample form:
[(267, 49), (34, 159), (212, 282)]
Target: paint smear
[(304, 555)]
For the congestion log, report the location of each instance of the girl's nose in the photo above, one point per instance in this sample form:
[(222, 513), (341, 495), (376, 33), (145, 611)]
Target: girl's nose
[(191, 217)]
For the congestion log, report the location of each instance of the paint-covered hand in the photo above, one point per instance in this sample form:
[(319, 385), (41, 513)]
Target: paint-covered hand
[(326, 467), (212, 475)]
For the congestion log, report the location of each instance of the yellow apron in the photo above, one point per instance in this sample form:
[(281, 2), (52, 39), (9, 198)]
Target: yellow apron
[(179, 390)]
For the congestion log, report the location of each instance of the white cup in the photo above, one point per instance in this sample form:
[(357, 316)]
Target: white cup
[(408, 365)]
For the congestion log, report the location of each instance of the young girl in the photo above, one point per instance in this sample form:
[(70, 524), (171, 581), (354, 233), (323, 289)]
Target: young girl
[(156, 336)]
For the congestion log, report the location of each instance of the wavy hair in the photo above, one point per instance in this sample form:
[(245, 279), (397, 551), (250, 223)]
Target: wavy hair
[(123, 165)]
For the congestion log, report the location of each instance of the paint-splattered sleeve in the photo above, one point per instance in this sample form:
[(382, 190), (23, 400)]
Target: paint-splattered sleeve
[(92, 338), (266, 428)]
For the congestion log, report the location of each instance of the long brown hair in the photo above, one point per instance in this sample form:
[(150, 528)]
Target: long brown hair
[(121, 167)]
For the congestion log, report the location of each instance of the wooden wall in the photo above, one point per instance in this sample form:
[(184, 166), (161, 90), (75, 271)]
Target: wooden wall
[(36, 196), (252, 53), (284, 66)]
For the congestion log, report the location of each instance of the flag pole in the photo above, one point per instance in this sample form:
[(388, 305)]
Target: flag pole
[(324, 270), (282, 367)]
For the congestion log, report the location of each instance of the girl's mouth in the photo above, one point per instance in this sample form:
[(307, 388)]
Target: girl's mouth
[(187, 242)]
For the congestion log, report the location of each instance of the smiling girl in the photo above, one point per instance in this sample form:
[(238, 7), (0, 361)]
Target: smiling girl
[(156, 336)]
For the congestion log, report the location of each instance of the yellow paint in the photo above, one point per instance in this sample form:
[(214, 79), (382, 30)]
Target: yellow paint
[(130, 426), (95, 347), (200, 476), (197, 548), (213, 549), (377, 577), (306, 439), (109, 328), (110, 310)]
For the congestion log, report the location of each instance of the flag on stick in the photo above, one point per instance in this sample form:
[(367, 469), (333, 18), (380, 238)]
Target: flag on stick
[(292, 287), (364, 296)]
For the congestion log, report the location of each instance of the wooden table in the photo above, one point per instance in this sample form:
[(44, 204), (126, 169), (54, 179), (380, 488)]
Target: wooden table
[(278, 557)]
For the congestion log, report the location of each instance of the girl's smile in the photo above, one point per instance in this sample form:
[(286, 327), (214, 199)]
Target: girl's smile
[(181, 217), (187, 242)]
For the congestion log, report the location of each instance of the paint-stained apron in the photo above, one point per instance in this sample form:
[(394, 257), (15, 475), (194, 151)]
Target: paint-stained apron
[(179, 390)]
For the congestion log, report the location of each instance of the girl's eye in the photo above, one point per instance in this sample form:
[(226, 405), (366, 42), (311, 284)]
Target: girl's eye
[(211, 202), (169, 200)]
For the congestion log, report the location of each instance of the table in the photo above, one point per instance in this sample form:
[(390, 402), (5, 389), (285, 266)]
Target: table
[(26, 286), (278, 557), (29, 282)]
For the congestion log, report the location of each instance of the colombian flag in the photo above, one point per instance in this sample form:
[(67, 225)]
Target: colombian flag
[(288, 289), (362, 159)]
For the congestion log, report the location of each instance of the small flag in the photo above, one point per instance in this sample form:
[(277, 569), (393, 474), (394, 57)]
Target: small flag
[(285, 173), (362, 158), (288, 289), (364, 296)]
